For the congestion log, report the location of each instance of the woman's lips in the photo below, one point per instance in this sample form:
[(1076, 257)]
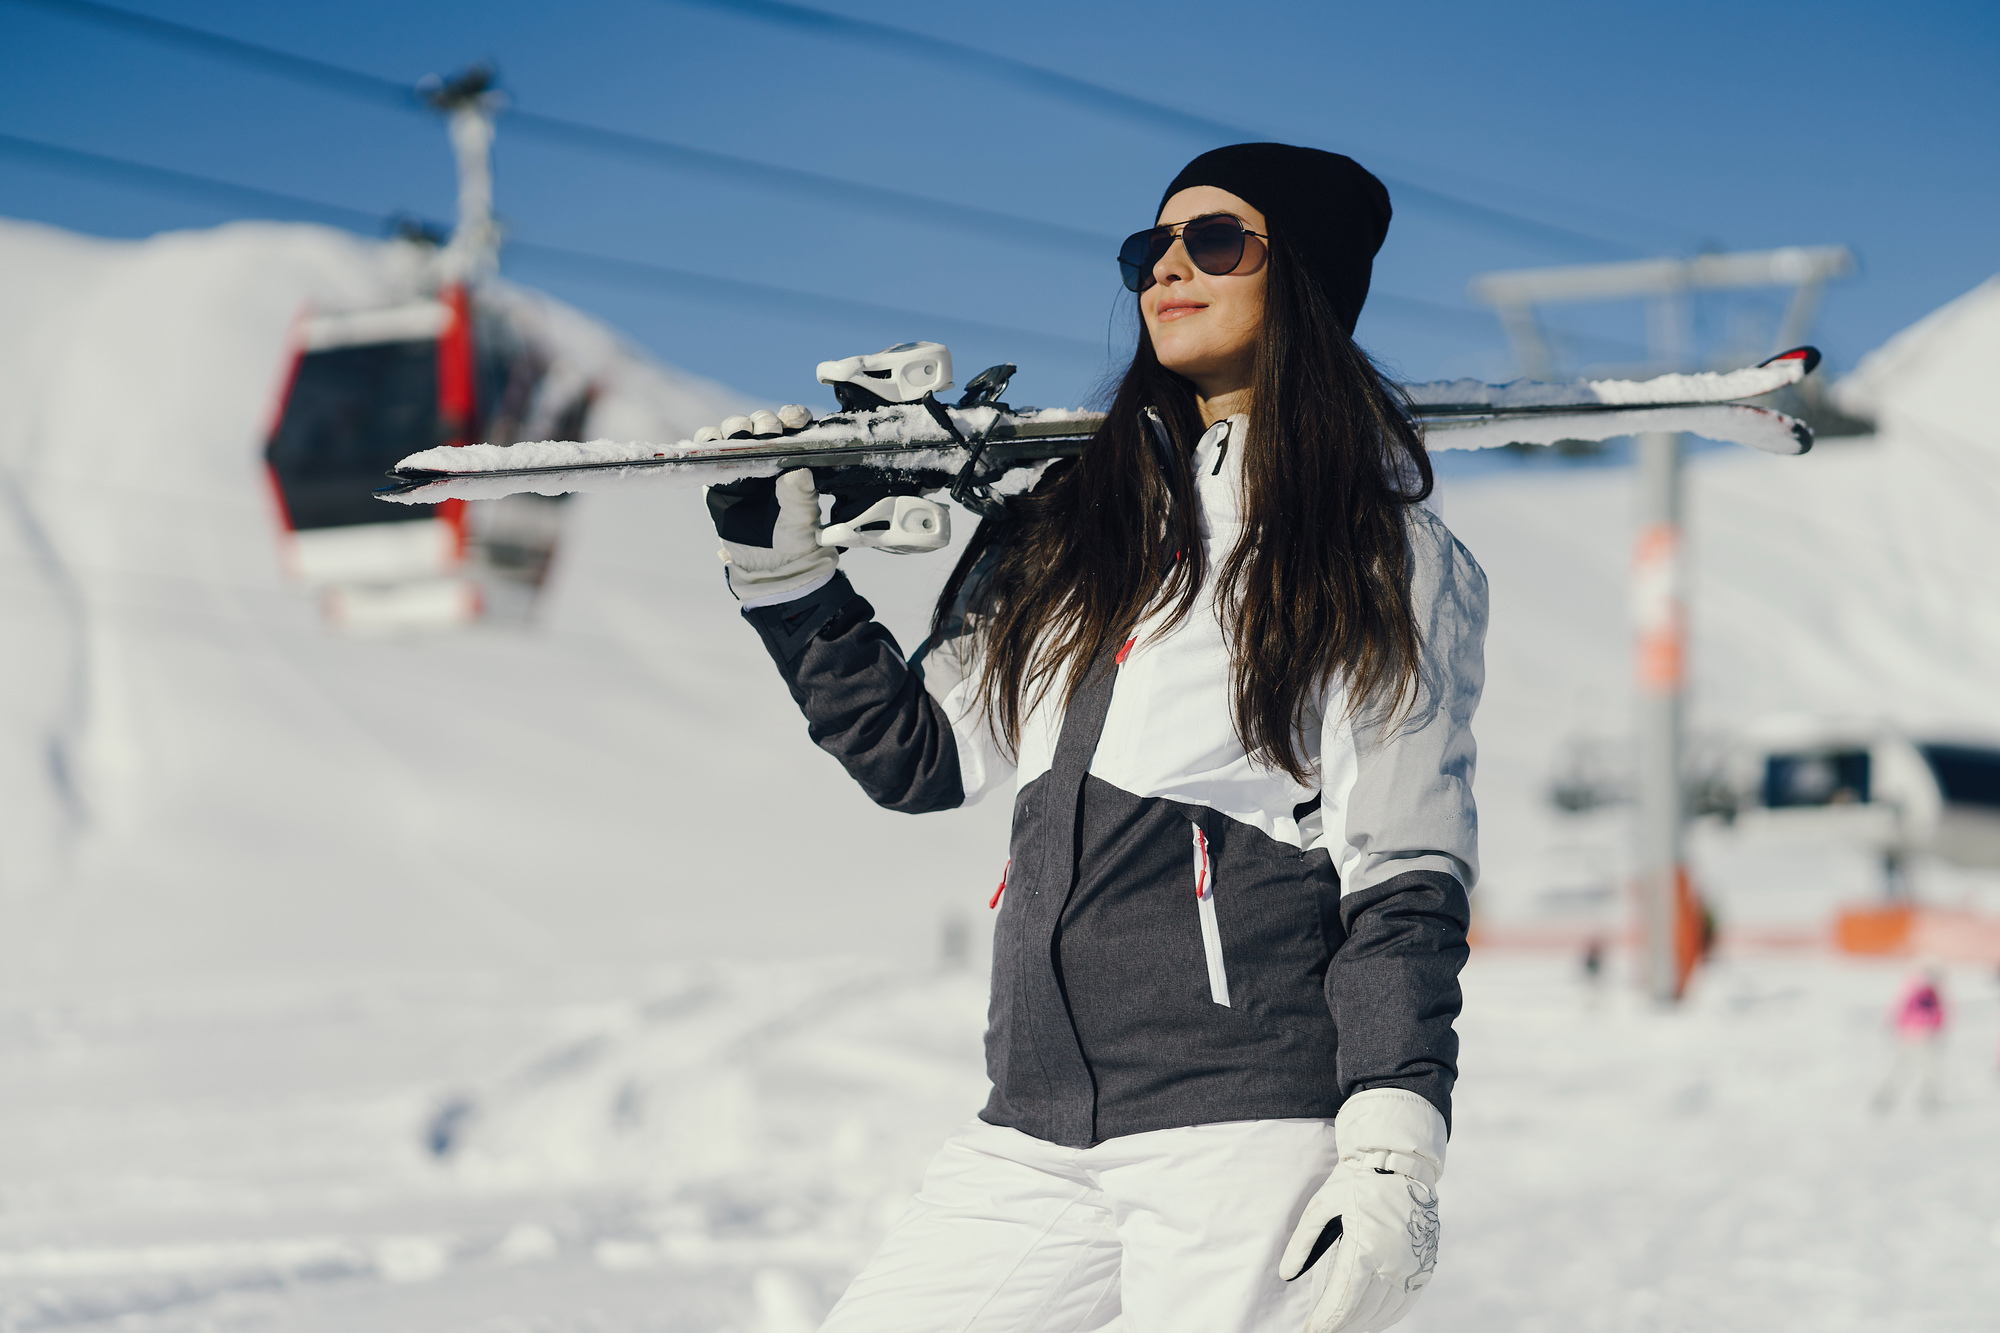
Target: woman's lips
[(1176, 309)]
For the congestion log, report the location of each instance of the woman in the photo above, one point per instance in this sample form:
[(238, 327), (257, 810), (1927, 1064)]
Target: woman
[(1228, 664)]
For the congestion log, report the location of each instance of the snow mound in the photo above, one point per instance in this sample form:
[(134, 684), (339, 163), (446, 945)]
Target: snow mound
[(202, 782), (1936, 377)]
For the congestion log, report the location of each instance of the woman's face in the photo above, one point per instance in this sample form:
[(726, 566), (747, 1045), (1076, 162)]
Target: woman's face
[(1204, 325)]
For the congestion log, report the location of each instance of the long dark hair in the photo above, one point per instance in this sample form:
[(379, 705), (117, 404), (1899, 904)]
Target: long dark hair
[(1318, 584)]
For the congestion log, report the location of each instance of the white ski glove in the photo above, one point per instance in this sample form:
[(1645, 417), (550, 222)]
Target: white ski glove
[(770, 537), (1377, 1211)]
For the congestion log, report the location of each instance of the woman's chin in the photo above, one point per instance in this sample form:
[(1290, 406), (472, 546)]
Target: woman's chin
[(1191, 367), (1180, 355)]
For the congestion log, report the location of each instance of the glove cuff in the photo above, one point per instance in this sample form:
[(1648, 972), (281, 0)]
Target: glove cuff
[(1392, 1129), (758, 593), (787, 578)]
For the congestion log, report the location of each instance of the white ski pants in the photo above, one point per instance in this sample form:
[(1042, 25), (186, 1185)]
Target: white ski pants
[(1174, 1231)]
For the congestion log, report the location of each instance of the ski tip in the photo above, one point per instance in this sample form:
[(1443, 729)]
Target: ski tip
[(407, 481), (1809, 355), (1803, 433)]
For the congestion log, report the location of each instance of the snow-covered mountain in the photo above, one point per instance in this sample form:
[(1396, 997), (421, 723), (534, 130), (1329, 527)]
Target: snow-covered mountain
[(202, 781)]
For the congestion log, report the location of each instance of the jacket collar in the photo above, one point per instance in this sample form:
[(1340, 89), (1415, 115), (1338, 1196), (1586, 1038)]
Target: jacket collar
[(1218, 473)]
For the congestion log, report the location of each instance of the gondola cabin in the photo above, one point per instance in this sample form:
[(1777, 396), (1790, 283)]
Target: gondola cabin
[(367, 388)]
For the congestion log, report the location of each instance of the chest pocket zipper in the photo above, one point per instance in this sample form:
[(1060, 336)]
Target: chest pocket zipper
[(1211, 933)]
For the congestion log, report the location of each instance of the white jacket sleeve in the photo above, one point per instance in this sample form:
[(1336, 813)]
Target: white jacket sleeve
[(1397, 789), (951, 676)]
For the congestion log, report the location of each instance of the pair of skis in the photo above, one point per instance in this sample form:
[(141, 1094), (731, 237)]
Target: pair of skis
[(982, 448)]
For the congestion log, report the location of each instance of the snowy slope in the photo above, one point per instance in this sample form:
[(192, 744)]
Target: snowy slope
[(203, 783), (721, 1153), (1849, 583), (1935, 377), (1855, 582)]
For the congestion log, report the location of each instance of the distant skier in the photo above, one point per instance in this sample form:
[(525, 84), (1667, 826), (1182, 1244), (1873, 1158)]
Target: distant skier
[(1918, 1020), (1224, 665), (1593, 960)]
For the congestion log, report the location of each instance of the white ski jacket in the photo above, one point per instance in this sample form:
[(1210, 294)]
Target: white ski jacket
[(1186, 936)]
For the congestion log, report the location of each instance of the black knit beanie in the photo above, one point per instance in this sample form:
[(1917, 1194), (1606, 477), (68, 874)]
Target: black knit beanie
[(1327, 207)]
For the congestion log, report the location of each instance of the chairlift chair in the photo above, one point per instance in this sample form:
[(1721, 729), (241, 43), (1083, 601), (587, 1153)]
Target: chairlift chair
[(1813, 782)]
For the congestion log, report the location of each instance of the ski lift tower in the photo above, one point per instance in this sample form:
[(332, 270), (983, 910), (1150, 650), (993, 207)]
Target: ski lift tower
[(456, 361), (1669, 923), (469, 101)]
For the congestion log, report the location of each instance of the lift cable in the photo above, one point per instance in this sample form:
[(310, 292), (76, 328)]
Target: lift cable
[(816, 185), (1140, 110), (619, 270), (602, 268)]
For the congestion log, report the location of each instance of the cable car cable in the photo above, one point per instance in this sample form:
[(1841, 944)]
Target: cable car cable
[(167, 180), (1128, 106), (702, 286), (304, 69), (208, 189), (816, 185)]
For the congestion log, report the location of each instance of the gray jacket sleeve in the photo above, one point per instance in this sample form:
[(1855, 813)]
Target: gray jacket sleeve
[(1403, 832), (1393, 986), (863, 703)]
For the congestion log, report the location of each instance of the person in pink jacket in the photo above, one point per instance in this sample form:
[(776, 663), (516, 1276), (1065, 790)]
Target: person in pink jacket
[(1918, 1018)]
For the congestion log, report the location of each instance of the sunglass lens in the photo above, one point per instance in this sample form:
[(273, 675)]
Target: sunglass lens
[(1137, 256), (1214, 244)]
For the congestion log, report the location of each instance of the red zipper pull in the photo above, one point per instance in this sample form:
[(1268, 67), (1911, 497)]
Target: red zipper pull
[(994, 901), (1126, 651)]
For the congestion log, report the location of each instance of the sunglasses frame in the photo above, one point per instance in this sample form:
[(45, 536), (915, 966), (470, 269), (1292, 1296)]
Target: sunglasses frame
[(1138, 279)]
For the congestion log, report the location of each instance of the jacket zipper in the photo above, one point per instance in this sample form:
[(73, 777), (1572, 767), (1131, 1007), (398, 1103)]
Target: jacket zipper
[(1211, 933)]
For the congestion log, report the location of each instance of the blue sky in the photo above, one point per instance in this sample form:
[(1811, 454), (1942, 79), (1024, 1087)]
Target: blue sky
[(1646, 129)]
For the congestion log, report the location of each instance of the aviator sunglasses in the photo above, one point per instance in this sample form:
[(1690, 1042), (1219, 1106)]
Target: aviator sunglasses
[(1214, 243)]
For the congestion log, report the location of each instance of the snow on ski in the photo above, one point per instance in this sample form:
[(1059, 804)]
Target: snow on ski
[(914, 442), (1470, 397)]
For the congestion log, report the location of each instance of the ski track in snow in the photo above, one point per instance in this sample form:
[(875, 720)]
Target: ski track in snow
[(723, 1151)]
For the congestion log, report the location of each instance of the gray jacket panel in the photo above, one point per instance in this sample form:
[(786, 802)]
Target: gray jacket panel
[(1042, 1084), (1130, 955)]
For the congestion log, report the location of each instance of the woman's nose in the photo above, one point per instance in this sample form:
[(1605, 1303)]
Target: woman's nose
[(1174, 265)]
